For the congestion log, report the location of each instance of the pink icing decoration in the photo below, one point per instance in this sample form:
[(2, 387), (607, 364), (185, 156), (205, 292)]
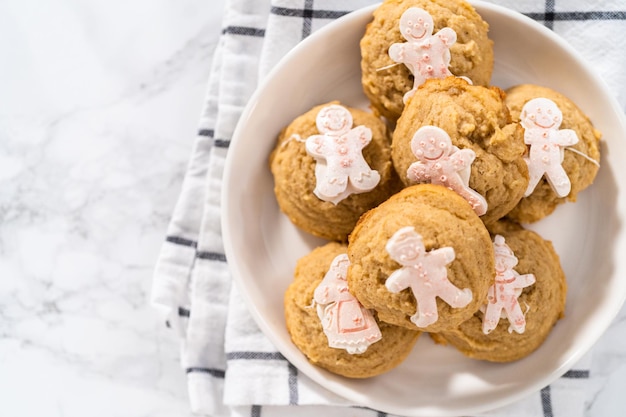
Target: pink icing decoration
[(541, 119), (503, 294), (425, 55), (425, 273), (346, 323), (441, 163), (341, 169)]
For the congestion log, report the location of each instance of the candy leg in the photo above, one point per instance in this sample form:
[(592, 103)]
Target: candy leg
[(426, 312), (367, 179), (492, 317), (329, 186), (535, 177), (559, 181), (516, 317)]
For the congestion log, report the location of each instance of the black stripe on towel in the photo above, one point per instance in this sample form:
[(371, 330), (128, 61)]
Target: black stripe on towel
[(221, 143), (247, 355), (244, 31), (206, 132), (217, 373), (548, 19), (293, 384), (378, 413), (211, 256), (255, 411), (181, 241), (307, 18), (307, 13), (579, 16), (577, 374), (546, 401)]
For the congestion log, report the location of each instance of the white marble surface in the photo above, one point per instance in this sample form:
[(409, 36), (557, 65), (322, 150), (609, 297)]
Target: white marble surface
[(98, 110)]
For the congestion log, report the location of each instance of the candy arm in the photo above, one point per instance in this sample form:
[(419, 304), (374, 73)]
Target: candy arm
[(530, 136), (417, 172), (396, 52), (404, 53), (364, 134), (522, 281), (462, 158), (446, 254), (324, 294), (397, 281), (447, 36), (314, 145), (567, 137)]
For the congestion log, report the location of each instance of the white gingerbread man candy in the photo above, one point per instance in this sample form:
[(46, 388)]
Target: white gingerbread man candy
[(441, 163), (425, 55), (346, 323), (341, 169), (502, 297), (425, 273), (541, 119)]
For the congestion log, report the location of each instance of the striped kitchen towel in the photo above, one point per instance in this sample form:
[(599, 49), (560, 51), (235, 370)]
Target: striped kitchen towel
[(232, 369)]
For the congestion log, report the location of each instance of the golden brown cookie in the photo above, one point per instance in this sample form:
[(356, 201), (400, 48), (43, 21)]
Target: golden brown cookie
[(385, 84), (316, 292), (541, 303), (476, 120), (581, 170), (298, 177), (451, 265)]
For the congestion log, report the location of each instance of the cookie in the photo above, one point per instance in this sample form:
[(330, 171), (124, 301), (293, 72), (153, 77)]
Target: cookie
[(446, 37), (422, 259), (320, 312), (330, 165), (475, 120), (564, 149), (524, 304)]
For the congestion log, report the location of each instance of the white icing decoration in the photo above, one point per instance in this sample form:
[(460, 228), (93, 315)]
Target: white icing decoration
[(340, 168), (424, 54), (541, 119), (502, 297), (425, 273), (441, 163), (347, 324)]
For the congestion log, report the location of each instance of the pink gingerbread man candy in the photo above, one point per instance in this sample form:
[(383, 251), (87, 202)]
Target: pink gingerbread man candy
[(441, 163), (341, 169), (425, 55), (346, 323), (425, 273), (541, 119), (503, 294)]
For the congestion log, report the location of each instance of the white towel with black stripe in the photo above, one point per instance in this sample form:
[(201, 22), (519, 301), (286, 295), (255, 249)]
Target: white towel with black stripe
[(232, 368)]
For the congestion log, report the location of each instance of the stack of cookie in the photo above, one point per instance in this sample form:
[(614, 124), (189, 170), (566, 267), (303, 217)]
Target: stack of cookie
[(423, 199)]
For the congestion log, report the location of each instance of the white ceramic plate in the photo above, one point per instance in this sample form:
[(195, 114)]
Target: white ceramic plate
[(262, 246)]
